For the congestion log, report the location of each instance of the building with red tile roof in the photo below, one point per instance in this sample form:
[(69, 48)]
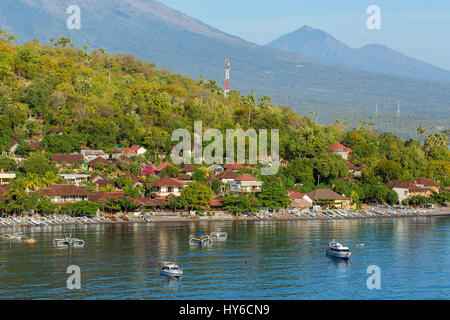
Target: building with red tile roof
[(65, 193), (234, 166), (340, 149), (168, 187), (246, 183), (67, 159)]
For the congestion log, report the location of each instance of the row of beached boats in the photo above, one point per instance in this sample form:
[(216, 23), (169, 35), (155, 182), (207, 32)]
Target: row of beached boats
[(60, 220), (372, 212)]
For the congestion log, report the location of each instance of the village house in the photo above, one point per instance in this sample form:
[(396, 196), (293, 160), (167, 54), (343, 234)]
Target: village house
[(340, 149), (426, 183), (328, 198), (134, 150), (422, 187), (161, 167), (185, 178), (65, 193), (167, 186), (90, 155), (66, 160), (96, 197), (234, 166), (6, 177), (217, 204), (189, 169), (299, 200), (56, 130), (75, 178), (99, 160), (246, 183), (135, 180), (101, 182), (227, 176), (215, 169), (13, 147), (354, 170)]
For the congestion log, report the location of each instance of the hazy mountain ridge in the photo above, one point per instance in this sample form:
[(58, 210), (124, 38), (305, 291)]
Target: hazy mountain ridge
[(318, 44), (146, 29)]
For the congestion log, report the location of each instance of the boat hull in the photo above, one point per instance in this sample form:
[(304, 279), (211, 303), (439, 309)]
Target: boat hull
[(171, 274), (340, 255)]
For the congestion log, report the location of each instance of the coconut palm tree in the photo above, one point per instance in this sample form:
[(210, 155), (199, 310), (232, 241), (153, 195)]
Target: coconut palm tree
[(421, 130)]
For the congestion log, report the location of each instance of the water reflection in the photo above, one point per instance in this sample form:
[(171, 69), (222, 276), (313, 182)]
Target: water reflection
[(259, 260)]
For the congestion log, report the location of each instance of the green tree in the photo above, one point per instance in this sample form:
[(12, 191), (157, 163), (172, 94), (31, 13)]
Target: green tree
[(273, 196), (196, 195), (38, 164)]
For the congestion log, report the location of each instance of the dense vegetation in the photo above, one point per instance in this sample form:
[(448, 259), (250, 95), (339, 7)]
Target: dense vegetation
[(101, 101)]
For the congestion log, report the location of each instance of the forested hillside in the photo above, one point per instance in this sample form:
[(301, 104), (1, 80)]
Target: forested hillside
[(101, 100), (159, 34)]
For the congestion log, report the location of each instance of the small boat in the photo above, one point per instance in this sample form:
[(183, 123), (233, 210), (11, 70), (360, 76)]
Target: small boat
[(171, 269), (219, 235), (69, 242), (147, 218), (337, 250), (16, 236), (200, 239)]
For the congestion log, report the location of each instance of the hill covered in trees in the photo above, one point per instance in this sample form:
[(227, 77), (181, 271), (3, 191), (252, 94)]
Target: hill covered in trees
[(157, 33), (101, 101)]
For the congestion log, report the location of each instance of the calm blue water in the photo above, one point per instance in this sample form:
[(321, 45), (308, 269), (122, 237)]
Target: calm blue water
[(260, 260)]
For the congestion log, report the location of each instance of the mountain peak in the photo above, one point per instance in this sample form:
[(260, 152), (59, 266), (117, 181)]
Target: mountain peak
[(319, 45)]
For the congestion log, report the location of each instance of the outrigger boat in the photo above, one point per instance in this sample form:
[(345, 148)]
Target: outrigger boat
[(170, 269), (337, 250), (16, 236), (200, 239), (69, 242), (219, 235)]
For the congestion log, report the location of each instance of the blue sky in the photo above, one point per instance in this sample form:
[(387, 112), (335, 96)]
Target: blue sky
[(418, 28)]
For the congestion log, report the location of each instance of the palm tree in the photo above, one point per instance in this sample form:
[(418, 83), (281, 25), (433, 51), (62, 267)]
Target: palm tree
[(370, 124), (346, 124), (421, 130)]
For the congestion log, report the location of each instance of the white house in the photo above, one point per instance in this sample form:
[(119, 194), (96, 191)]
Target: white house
[(75, 178), (168, 187), (6, 177), (246, 183)]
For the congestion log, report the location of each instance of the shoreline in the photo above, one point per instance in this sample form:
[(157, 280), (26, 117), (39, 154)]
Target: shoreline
[(160, 217)]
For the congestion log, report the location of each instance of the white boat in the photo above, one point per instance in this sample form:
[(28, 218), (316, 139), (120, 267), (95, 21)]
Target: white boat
[(69, 242), (35, 221), (200, 239), (219, 235), (171, 269), (16, 236), (337, 250)]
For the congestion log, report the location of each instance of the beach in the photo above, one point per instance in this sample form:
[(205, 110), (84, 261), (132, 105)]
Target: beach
[(170, 216)]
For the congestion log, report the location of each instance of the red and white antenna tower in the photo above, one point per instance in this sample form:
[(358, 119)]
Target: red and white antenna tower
[(227, 78)]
